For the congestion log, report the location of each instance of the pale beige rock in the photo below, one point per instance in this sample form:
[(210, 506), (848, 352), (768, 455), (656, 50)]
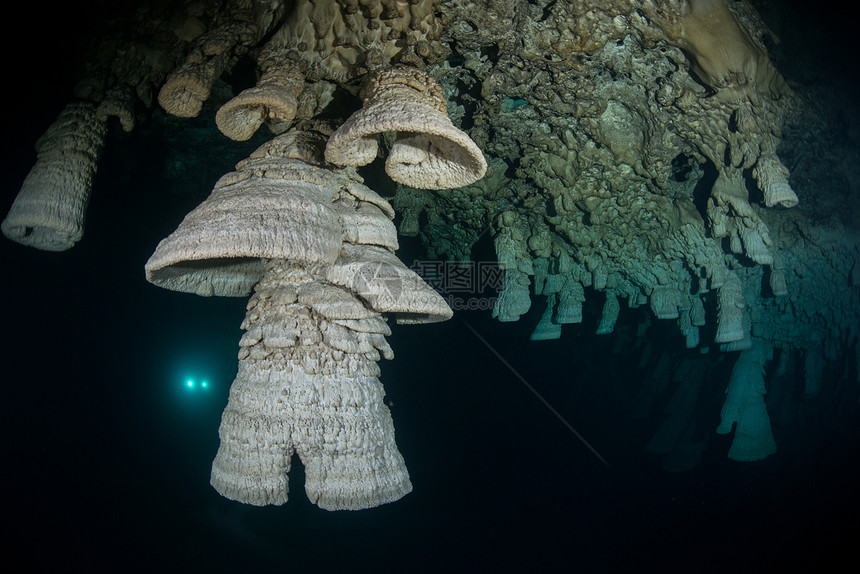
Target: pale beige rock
[(366, 224), (772, 177), (724, 55), (333, 302), (189, 85), (731, 215), (237, 28), (276, 205), (329, 410), (274, 98), (251, 220), (385, 284), (429, 152), (307, 379), (341, 41), (118, 103), (376, 324), (48, 212)]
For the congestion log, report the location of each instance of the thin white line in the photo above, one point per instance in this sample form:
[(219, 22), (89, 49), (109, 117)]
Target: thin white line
[(537, 394)]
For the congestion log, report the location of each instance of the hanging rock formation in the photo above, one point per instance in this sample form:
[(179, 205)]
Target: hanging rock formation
[(49, 211), (119, 75), (745, 407), (429, 152), (320, 44), (317, 247), (644, 152)]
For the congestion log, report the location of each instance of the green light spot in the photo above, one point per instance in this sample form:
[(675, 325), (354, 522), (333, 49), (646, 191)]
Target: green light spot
[(190, 383), (204, 384)]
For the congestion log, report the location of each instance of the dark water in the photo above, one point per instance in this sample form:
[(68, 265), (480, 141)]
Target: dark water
[(106, 452)]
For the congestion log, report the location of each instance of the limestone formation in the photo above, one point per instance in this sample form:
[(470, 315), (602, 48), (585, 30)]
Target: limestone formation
[(646, 159), (49, 211), (274, 98), (342, 40), (324, 42), (236, 30), (745, 407), (732, 311), (309, 385), (118, 75), (547, 329), (316, 246), (429, 152)]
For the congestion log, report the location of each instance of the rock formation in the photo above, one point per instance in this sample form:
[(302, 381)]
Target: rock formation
[(317, 248), (616, 155)]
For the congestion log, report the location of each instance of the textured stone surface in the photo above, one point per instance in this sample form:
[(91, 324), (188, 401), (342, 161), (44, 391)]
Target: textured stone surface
[(429, 152), (308, 386), (316, 246), (48, 212)]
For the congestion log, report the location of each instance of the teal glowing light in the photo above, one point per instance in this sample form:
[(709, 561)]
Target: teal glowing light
[(194, 380), (192, 384)]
